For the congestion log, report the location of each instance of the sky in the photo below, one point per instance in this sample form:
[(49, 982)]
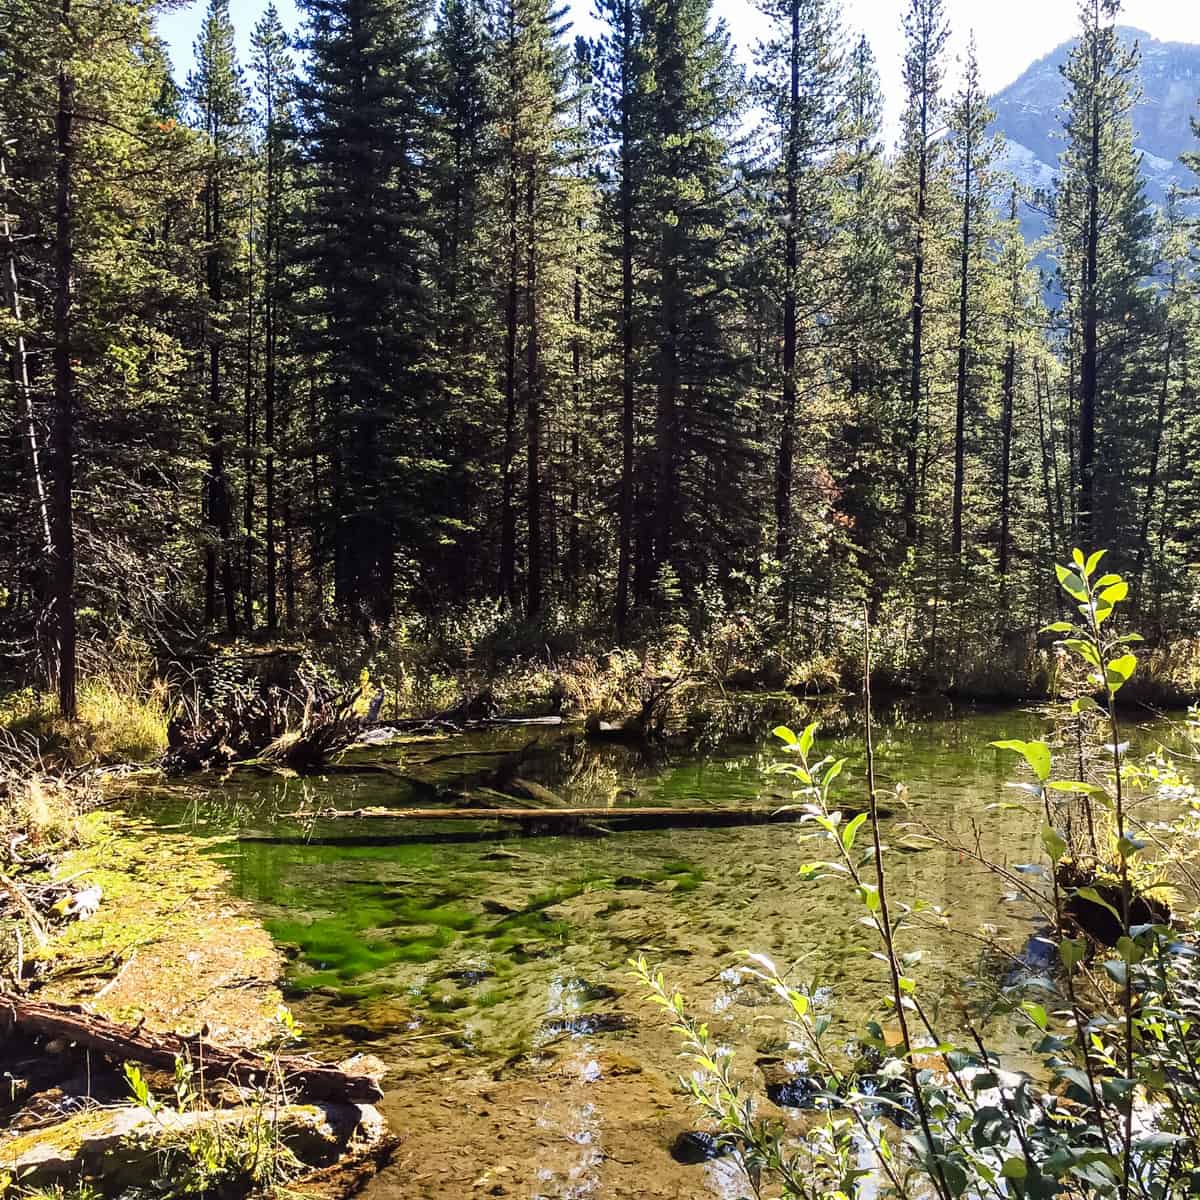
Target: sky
[(1009, 34)]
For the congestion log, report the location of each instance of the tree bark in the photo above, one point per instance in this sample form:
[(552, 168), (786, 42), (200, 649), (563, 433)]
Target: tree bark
[(20, 370), (533, 410), (787, 415), (1090, 301), (911, 483), (625, 532), (1156, 440), (508, 516), (62, 525), (960, 383), (306, 1078)]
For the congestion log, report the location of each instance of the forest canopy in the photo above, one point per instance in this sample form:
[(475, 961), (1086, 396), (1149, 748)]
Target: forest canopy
[(432, 305)]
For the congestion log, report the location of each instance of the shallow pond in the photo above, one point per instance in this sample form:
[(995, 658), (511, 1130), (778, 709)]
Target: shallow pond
[(489, 970)]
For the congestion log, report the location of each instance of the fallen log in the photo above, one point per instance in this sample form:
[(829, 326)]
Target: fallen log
[(305, 1077), (631, 817)]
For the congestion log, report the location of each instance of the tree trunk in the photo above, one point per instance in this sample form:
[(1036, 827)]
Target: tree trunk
[(306, 1078), (62, 525), (533, 413), (249, 440), (1090, 301), (960, 384), (625, 532), (787, 415), (1152, 472), (508, 516), (911, 484), (20, 371)]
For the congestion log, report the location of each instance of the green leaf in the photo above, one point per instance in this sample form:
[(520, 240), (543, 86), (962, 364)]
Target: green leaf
[(1058, 627), (1014, 1168), (870, 896), (1037, 1014), (1036, 754), (1115, 592), (1077, 557), (1074, 785), (1093, 561), (1072, 584), (784, 734), (848, 834), (1055, 843), (1084, 649), (806, 739), (1084, 704), (1119, 670), (1071, 951), (1090, 894)]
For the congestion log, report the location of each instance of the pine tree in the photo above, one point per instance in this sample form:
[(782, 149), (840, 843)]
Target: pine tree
[(1102, 229), (694, 514), (621, 100), (273, 67), (366, 120), (869, 330), (926, 32), (973, 152), (218, 98), (799, 86), (532, 71)]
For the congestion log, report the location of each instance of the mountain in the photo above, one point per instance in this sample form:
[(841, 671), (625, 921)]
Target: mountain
[(1028, 115)]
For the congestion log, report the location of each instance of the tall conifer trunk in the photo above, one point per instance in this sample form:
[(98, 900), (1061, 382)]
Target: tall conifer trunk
[(625, 159), (20, 369), (62, 523), (533, 405), (787, 415)]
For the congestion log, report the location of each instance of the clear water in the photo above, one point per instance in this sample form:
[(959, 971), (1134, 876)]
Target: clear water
[(470, 958)]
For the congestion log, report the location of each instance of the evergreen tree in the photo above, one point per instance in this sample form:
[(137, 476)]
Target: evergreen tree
[(273, 69), (972, 152), (1102, 227), (218, 97), (364, 102), (925, 32), (800, 84), (694, 514)]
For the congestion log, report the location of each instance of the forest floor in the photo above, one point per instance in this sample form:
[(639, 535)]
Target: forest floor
[(162, 947)]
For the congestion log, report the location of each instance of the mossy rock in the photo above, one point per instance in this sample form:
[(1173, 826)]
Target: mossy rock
[(127, 1147)]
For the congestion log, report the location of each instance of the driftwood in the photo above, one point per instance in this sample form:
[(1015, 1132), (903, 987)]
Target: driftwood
[(631, 817), (306, 1078)]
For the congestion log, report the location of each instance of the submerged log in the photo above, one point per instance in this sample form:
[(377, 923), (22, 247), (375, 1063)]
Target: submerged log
[(306, 1077), (632, 817)]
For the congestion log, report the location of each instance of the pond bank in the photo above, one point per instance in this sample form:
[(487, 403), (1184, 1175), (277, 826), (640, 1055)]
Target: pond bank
[(149, 935)]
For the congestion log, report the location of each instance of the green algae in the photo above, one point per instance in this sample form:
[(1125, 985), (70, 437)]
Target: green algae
[(402, 915)]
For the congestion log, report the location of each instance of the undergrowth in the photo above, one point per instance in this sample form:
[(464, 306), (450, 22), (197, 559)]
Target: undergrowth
[(915, 1110)]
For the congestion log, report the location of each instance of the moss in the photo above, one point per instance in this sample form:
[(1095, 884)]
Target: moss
[(166, 922)]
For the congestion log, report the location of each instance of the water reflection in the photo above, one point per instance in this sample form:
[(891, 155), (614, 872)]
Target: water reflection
[(491, 969)]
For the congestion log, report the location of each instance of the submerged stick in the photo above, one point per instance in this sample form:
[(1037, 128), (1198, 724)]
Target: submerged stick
[(633, 817), (307, 1079)]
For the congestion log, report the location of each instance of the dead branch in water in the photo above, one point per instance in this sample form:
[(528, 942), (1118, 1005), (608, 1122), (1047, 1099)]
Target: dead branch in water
[(306, 1078)]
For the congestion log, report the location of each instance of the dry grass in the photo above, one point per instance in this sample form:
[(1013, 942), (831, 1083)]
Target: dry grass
[(122, 717)]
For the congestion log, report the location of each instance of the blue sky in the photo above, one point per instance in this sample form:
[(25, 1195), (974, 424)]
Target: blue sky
[(1010, 34)]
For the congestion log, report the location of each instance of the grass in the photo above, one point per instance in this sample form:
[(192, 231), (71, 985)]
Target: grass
[(121, 717)]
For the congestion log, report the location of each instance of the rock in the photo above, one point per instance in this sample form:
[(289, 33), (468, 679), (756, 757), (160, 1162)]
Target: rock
[(588, 992), (364, 1064), (586, 1023), (786, 1084), (124, 1146), (694, 1147), (614, 1064)]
